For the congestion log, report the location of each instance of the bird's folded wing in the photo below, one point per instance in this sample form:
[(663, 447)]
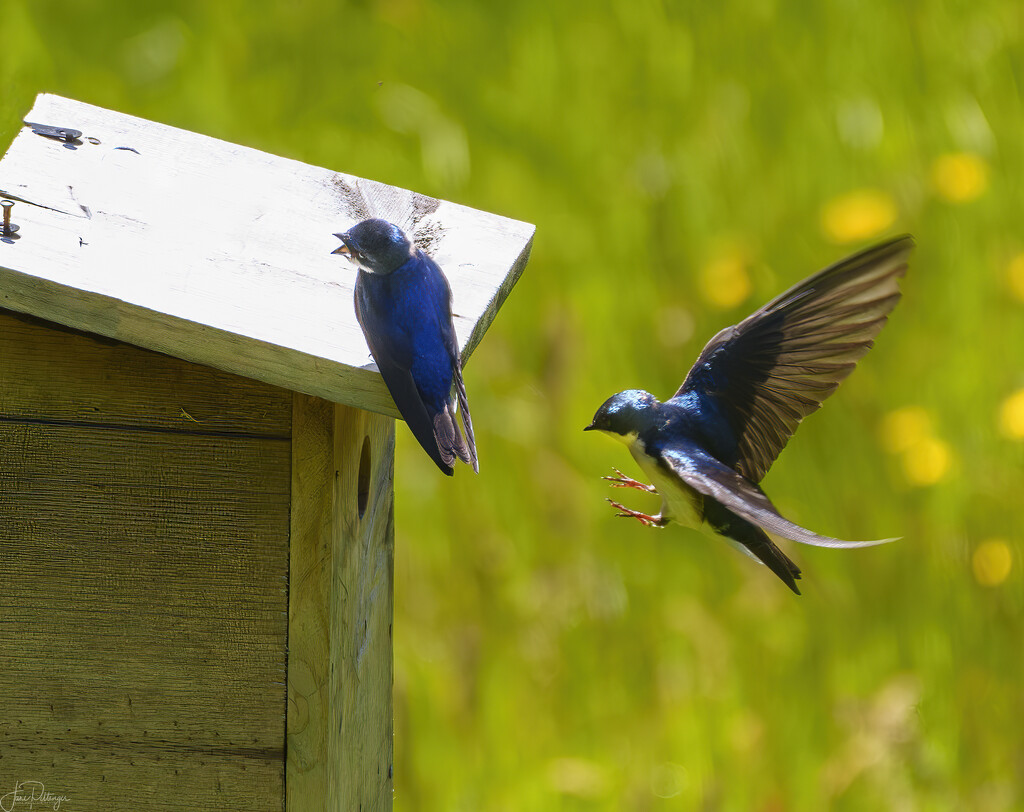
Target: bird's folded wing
[(713, 479), (462, 444), (392, 354), (417, 416), (777, 366)]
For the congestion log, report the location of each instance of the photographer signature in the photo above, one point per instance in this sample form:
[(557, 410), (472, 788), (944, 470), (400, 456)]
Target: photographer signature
[(32, 793)]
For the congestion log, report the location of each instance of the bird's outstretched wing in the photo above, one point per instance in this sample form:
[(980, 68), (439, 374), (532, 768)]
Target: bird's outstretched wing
[(777, 366), (713, 479)]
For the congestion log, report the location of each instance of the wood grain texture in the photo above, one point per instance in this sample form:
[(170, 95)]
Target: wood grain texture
[(53, 375), (143, 618), (362, 594), (340, 609), (220, 254), (340, 667), (309, 600)]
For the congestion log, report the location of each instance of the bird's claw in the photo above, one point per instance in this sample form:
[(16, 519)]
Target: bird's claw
[(620, 480), (645, 519)]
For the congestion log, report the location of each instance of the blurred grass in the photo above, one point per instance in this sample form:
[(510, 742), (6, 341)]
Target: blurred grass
[(683, 163)]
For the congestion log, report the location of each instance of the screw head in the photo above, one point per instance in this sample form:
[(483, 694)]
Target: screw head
[(8, 228)]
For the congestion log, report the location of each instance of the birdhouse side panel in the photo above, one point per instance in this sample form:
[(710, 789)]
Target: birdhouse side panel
[(144, 518), (340, 732)]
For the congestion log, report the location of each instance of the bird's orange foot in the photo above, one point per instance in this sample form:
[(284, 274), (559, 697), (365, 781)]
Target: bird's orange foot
[(620, 480), (645, 519)]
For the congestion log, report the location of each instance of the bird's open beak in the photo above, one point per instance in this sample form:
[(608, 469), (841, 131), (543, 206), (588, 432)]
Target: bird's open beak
[(341, 249)]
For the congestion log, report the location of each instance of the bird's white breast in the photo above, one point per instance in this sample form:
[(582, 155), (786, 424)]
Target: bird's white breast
[(679, 502)]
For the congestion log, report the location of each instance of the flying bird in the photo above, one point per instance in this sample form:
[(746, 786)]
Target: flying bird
[(404, 305), (708, 446)]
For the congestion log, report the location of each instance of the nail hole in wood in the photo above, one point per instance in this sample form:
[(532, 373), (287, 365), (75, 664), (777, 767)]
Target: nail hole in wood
[(363, 484)]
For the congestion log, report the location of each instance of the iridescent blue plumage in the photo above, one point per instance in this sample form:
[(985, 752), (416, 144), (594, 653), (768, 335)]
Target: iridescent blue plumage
[(403, 304), (707, 448)]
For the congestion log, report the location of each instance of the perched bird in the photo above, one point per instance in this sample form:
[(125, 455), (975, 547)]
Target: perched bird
[(404, 305), (708, 446)]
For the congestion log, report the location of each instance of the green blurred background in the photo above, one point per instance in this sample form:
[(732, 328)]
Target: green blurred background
[(683, 163)]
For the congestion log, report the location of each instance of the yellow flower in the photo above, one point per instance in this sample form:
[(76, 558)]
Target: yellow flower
[(1011, 416), (959, 177), (1015, 276), (858, 215), (992, 562), (902, 428), (909, 432), (927, 461), (724, 281)]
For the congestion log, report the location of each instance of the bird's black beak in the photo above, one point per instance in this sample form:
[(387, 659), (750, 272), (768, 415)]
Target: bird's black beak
[(342, 249), (589, 428)]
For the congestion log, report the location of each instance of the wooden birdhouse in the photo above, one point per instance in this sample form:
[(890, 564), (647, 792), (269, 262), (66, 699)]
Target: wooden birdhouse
[(196, 468)]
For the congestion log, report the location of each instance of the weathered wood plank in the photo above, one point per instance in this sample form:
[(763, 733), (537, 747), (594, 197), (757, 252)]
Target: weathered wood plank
[(220, 254), (309, 602), (143, 616), (340, 609), (362, 600), (56, 380)]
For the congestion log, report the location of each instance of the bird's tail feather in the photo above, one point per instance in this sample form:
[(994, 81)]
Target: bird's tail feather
[(449, 441), (452, 443), (750, 539)]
